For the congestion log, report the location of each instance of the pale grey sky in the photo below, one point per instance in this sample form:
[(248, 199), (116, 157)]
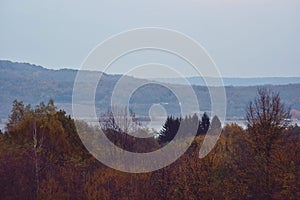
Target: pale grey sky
[(245, 38)]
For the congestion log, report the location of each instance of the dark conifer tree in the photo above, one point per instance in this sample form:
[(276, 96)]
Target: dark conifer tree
[(169, 130), (204, 125)]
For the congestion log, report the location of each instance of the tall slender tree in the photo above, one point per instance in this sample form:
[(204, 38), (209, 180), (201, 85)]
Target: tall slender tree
[(205, 122)]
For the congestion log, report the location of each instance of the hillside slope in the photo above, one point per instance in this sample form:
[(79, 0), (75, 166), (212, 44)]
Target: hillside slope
[(33, 84)]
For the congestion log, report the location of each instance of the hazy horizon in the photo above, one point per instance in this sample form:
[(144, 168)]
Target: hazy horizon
[(75, 68), (245, 39)]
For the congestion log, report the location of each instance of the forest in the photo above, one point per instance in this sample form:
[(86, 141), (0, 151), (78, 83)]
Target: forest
[(42, 157)]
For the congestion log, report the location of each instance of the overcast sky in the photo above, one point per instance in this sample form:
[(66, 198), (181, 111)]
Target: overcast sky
[(244, 38)]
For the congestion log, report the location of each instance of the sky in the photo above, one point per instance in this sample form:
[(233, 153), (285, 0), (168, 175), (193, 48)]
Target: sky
[(256, 38)]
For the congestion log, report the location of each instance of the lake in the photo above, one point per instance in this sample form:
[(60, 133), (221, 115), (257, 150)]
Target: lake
[(2, 127)]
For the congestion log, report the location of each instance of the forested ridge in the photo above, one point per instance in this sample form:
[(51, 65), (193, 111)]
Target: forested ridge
[(42, 157), (33, 84)]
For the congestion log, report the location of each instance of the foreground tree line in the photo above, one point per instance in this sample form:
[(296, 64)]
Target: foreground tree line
[(42, 157)]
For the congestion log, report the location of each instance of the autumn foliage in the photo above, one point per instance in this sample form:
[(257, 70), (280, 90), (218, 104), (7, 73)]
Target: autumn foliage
[(42, 157)]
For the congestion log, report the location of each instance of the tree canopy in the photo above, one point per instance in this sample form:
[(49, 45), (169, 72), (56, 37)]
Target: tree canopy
[(42, 157)]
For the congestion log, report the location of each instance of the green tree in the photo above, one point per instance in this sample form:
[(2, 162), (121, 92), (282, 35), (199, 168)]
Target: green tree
[(170, 129), (205, 123)]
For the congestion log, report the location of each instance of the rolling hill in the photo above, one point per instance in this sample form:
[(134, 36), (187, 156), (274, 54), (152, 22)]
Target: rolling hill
[(33, 84), (235, 81)]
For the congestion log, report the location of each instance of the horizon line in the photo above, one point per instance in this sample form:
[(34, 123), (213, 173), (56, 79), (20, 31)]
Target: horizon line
[(190, 76)]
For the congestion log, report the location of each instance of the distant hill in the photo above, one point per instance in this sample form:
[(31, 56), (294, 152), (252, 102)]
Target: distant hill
[(33, 84), (235, 81)]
